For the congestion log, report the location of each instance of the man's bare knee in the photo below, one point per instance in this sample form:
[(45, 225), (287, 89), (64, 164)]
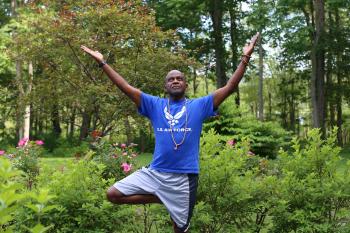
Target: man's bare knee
[(114, 195)]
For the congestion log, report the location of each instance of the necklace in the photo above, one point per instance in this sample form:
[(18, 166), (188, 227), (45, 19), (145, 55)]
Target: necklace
[(171, 127)]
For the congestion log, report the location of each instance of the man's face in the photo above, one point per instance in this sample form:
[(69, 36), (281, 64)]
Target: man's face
[(175, 84)]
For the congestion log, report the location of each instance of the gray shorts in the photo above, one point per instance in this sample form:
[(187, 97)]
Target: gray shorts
[(177, 191)]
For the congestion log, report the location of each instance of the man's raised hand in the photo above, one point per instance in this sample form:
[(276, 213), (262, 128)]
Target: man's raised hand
[(249, 47), (93, 53)]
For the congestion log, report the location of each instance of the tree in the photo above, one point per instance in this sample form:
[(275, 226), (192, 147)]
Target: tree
[(68, 82)]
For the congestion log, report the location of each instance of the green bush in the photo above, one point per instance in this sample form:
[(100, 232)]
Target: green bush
[(236, 191), (266, 138), (25, 158), (315, 196), (66, 148), (300, 191), (15, 201), (80, 190), (118, 159)]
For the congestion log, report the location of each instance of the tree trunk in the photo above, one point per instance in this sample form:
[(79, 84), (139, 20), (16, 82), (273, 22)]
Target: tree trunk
[(207, 67), (72, 123), (216, 13), (339, 92), (318, 71), (233, 35), (55, 120), (19, 112), (195, 85), (128, 130), (261, 79), (26, 124), (85, 126), (270, 106)]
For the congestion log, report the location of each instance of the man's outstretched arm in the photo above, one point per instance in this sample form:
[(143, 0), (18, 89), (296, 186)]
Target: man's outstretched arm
[(222, 93), (133, 93)]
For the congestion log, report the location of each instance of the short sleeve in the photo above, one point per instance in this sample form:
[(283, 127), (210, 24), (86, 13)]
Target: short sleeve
[(206, 104), (147, 105)]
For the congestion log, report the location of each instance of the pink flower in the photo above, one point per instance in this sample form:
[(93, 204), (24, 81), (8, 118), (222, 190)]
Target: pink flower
[(126, 167), (133, 155), (39, 142), (2, 152), (23, 142), (123, 146), (250, 153), (125, 153), (231, 142)]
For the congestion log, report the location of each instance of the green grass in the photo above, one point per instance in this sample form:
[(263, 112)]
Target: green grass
[(345, 156), (345, 152), (144, 159), (56, 162)]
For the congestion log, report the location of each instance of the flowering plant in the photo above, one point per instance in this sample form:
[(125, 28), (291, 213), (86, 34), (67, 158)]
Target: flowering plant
[(119, 159), (25, 158)]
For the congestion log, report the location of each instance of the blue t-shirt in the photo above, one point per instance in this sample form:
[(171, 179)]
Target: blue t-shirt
[(186, 158)]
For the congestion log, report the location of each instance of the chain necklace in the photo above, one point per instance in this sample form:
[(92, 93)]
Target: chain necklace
[(171, 127)]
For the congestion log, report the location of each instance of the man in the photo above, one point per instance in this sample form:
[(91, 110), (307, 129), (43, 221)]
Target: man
[(172, 176)]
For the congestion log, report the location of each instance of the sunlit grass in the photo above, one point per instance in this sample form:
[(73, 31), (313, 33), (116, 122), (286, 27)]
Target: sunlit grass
[(56, 162)]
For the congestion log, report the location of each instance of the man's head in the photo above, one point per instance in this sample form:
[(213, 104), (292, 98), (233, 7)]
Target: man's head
[(175, 84)]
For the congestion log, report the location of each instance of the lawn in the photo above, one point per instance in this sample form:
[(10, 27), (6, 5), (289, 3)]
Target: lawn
[(345, 155), (145, 158), (56, 162)]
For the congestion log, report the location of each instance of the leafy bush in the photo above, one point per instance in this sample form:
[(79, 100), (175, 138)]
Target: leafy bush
[(79, 190), (315, 195), (118, 159), (67, 149), (25, 158), (266, 138), (301, 191), (235, 189), (14, 202)]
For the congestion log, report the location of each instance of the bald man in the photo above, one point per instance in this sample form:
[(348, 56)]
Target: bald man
[(172, 177)]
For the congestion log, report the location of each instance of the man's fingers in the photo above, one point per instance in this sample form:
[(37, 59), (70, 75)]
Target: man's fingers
[(86, 49)]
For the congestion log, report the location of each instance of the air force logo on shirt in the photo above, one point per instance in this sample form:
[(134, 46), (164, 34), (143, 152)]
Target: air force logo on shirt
[(173, 120)]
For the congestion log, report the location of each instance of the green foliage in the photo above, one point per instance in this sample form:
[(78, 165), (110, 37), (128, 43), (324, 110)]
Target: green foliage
[(266, 138), (10, 197), (64, 147), (118, 159), (315, 196), (25, 158), (236, 191), (13, 198), (300, 191), (79, 191)]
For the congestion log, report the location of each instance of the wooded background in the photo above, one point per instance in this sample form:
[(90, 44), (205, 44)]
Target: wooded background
[(298, 75)]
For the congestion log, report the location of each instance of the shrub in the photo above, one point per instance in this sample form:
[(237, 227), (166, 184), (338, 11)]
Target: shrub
[(118, 159), (315, 196), (15, 202), (25, 158), (80, 191), (301, 191), (235, 188), (266, 138)]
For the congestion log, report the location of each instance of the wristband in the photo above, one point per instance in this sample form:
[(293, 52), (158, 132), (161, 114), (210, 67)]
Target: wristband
[(102, 63), (245, 62), (245, 55)]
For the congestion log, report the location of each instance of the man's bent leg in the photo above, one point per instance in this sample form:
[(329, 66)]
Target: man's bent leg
[(115, 196), (178, 230)]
